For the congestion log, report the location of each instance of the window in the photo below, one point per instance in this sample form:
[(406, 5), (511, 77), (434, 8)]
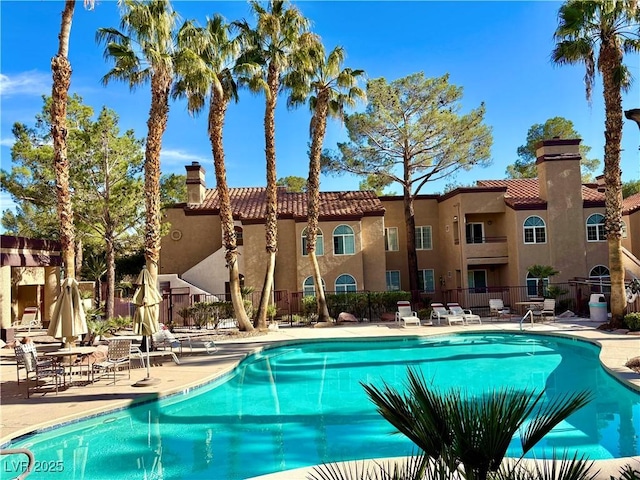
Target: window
[(474, 232), (595, 228), (393, 280), (239, 240), (477, 280), (319, 243), (309, 287), (426, 280), (344, 241), (391, 239), (600, 279), (535, 230), (345, 283), (532, 286), (423, 238), (623, 230)]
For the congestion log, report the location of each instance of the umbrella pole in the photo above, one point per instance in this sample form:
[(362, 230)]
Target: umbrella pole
[(148, 381)]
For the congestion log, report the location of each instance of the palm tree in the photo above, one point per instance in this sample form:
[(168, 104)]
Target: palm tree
[(281, 30), (204, 66), (143, 52), (328, 88), (598, 33), (541, 272), (61, 73), (464, 436)]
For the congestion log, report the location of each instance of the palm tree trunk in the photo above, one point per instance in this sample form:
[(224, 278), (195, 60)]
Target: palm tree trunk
[(61, 73), (156, 125), (271, 221), (217, 111), (610, 60), (318, 130)]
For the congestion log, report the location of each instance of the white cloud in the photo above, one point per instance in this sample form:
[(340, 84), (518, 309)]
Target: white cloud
[(26, 83), (7, 142), (178, 158)]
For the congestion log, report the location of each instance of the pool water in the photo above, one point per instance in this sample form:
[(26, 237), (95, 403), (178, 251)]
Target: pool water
[(303, 404)]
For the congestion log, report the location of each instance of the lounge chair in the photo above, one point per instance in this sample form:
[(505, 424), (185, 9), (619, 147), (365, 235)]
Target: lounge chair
[(165, 338), (405, 316), (439, 312), (29, 319), (468, 315), (42, 373), (548, 310), (497, 309)]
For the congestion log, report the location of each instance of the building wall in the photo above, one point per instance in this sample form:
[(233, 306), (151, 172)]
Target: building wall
[(190, 240)]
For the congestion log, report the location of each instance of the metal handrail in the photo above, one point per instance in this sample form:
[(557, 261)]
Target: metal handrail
[(21, 451), (528, 314)]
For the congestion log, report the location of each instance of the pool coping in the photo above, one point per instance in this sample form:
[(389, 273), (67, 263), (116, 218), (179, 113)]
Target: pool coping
[(610, 356)]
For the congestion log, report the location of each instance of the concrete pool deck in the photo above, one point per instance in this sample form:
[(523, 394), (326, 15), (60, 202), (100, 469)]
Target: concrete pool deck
[(19, 415)]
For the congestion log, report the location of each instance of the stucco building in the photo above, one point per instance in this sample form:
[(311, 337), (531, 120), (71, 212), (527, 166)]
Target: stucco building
[(470, 238)]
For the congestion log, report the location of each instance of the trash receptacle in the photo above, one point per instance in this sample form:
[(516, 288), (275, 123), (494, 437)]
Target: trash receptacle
[(598, 308)]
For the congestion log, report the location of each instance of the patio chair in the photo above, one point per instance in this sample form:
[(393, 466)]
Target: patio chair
[(20, 364), (548, 310), (165, 338), (467, 314), (118, 356), (439, 312), (29, 319), (405, 316), (497, 309), (40, 373)]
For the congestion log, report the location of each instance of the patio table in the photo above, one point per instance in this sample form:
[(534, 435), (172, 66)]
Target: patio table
[(70, 353)]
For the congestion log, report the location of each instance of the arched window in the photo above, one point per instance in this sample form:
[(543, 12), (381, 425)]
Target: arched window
[(345, 283), (600, 278), (595, 228), (319, 243), (535, 230), (309, 287), (532, 286), (344, 241)]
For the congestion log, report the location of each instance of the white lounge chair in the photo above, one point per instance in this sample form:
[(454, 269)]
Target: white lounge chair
[(468, 315), (405, 316), (29, 319), (439, 312), (497, 309), (165, 338)]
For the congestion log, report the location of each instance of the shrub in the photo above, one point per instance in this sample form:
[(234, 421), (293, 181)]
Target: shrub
[(632, 320)]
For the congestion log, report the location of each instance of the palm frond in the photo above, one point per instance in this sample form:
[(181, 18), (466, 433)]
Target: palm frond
[(551, 414)]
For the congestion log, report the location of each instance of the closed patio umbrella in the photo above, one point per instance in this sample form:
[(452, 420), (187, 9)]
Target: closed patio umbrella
[(68, 321), (147, 299)]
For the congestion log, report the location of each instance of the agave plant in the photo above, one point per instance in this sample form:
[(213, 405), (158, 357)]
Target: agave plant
[(460, 435)]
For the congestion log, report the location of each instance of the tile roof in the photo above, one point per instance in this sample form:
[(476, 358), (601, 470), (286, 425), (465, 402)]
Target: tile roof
[(525, 192), (249, 204), (631, 204)]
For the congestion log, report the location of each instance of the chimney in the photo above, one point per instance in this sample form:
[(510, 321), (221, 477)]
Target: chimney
[(560, 184), (196, 188)]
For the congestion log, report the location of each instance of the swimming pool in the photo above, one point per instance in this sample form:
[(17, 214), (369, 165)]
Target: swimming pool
[(303, 404)]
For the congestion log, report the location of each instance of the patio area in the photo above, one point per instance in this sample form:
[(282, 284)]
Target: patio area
[(20, 415)]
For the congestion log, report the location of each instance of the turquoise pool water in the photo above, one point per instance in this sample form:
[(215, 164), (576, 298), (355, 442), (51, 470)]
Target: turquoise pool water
[(303, 404)]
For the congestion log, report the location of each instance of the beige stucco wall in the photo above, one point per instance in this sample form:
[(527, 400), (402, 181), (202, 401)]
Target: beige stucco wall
[(5, 297), (190, 240), (372, 253)]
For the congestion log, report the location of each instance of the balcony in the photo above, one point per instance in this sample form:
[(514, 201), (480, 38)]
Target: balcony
[(486, 251)]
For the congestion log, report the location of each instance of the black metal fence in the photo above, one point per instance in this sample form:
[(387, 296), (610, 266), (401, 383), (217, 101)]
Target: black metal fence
[(370, 305)]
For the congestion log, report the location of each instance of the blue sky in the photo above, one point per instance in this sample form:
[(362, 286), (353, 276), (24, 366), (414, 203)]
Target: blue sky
[(499, 52)]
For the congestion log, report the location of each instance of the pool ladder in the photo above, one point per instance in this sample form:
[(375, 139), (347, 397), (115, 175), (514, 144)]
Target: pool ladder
[(21, 451), (528, 314)]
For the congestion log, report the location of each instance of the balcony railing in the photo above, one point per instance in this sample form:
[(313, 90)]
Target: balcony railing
[(477, 240)]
